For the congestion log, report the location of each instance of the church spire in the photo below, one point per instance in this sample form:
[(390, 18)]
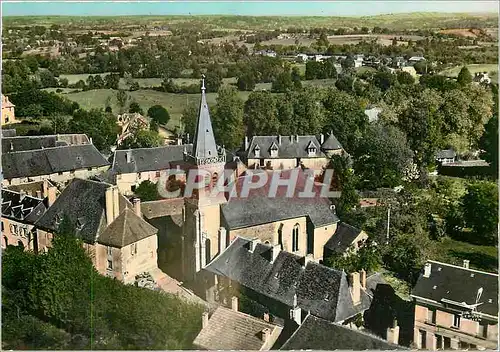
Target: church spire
[(204, 146)]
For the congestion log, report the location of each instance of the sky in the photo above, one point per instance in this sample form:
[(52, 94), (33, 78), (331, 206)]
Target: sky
[(249, 8)]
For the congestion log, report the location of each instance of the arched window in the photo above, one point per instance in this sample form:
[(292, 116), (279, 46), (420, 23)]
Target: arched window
[(6, 241), (295, 238), (207, 250), (215, 177)]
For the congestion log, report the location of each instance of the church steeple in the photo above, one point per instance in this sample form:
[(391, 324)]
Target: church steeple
[(204, 146)]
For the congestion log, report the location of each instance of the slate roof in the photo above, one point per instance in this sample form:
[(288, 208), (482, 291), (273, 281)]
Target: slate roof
[(459, 284), (342, 238), (231, 330), (446, 154), (22, 208), (8, 133), (148, 159), (204, 140), (321, 290), (331, 143), (51, 160), (160, 208), (126, 229), (259, 208), (319, 334), (287, 149), (84, 202), (23, 143)]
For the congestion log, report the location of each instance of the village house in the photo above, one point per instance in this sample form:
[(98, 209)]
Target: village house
[(414, 59), (481, 77), (455, 308), (228, 329), (372, 112), (345, 240), (284, 283), (129, 123), (120, 243), (8, 113), (130, 167), (446, 156), (288, 152), (57, 164), (19, 214)]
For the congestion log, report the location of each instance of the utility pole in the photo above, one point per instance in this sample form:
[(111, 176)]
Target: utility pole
[(388, 224)]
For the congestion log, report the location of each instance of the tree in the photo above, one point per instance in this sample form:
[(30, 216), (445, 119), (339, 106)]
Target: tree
[(213, 79), (314, 70), (159, 114), (135, 108), (405, 78), (296, 78), (347, 63), (141, 139), (480, 209), (122, 97), (384, 80), (228, 118), (382, 156), (246, 81), (147, 191), (188, 120), (480, 111), (489, 144), (347, 182), (96, 124), (112, 80), (464, 76), (283, 83), (261, 115), (329, 68), (366, 258)]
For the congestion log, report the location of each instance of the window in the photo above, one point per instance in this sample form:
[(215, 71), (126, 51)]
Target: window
[(110, 265), (89, 169), (132, 188), (110, 250), (139, 175), (133, 249), (456, 321), (423, 338), (157, 173), (72, 172), (295, 238), (483, 330), (59, 173), (2, 226), (431, 316)]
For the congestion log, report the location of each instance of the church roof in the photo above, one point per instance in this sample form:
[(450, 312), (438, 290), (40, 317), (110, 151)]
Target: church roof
[(331, 143), (204, 140)]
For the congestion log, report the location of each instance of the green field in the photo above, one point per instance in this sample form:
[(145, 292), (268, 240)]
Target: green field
[(473, 68), (454, 252)]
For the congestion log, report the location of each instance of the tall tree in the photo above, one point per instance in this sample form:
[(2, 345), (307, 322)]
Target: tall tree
[(98, 125), (261, 114), (464, 76), (489, 143), (141, 139), (135, 108), (122, 97), (159, 114), (228, 118)]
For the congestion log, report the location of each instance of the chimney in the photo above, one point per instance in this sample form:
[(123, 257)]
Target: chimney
[(322, 138), (179, 141), (279, 139), (393, 333), (252, 244), (427, 270), (22, 194), (266, 334), (291, 138), (275, 250), (51, 195), (45, 188), (466, 264), (128, 155), (137, 207), (116, 202), (246, 142), (222, 239), (297, 138), (309, 257), (204, 320), (187, 137), (91, 142), (362, 275), (39, 194), (234, 303), (109, 205), (355, 288), (266, 317), (296, 312)]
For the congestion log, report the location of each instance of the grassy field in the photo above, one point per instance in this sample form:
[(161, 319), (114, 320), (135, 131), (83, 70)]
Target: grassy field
[(473, 68), (415, 20), (454, 252)]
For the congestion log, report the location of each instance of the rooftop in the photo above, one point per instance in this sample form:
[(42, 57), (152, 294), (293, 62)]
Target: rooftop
[(231, 330), (51, 160), (342, 238), (21, 207), (23, 143), (319, 334), (448, 282)]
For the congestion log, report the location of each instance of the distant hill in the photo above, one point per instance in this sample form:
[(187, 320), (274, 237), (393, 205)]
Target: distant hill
[(400, 21)]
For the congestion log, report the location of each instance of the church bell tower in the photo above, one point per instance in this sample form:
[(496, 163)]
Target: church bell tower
[(202, 233)]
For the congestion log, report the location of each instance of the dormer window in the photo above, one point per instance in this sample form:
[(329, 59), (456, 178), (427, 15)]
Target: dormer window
[(79, 224), (256, 151), (311, 149), (273, 150), (57, 219)]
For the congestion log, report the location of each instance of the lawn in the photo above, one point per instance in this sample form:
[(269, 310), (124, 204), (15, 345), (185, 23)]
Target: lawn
[(454, 252), (473, 68)]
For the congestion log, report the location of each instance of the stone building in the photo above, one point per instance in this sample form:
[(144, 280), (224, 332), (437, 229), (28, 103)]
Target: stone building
[(345, 239), (58, 164), (283, 283), (120, 243), (19, 214), (288, 152), (228, 329), (24, 143), (129, 123), (8, 113), (455, 308)]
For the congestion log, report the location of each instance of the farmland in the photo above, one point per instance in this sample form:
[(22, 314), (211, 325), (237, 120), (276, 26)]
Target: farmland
[(492, 69)]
